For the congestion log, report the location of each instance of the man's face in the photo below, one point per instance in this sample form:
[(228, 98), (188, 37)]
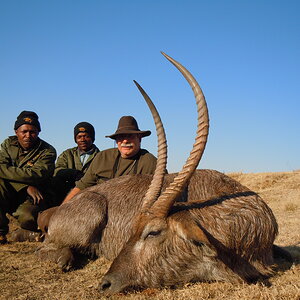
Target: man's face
[(128, 144), (84, 141), (27, 136)]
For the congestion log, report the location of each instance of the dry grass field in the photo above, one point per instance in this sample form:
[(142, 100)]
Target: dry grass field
[(23, 276)]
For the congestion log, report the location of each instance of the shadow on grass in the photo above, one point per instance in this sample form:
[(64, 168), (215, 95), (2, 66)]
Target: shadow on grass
[(283, 263)]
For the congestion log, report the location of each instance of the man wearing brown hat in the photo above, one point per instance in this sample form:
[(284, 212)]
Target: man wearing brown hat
[(73, 163), (128, 158), (26, 166)]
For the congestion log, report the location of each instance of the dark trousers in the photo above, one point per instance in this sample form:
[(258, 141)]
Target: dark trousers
[(20, 206), (61, 187)]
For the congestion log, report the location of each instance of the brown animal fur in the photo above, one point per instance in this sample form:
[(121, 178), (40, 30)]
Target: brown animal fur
[(227, 238), (232, 236)]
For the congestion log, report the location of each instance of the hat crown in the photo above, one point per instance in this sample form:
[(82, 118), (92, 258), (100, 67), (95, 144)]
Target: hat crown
[(128, 123), (27, 117), (28, 114), (84, 127)]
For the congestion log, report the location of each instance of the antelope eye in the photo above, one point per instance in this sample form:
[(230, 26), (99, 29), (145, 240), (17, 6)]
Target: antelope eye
[(153, 233)]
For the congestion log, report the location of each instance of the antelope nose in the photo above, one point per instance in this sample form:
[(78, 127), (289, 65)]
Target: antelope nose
[(104, 285), (111, 284)]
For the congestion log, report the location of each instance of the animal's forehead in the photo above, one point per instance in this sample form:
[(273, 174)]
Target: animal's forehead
[(154, 224)]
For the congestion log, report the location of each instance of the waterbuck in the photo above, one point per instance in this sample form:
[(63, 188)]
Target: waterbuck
[(192, 226)]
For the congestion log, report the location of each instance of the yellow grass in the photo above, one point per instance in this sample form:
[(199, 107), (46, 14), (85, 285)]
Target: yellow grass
[(22, 276)]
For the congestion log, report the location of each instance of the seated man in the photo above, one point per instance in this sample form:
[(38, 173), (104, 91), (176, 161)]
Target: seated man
[(128, 158), (73, 163), (26, 167)]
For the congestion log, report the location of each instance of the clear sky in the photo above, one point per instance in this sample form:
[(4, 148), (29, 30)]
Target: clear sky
[(75, 60)]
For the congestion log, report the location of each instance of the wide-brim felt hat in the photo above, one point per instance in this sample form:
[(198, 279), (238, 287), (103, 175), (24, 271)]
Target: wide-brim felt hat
[(128, 125)]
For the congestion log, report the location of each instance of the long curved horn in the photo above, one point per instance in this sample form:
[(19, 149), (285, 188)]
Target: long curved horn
[(154, 189), (161, 207)]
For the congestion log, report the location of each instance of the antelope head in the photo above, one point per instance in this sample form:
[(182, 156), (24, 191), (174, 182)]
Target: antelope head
[(158, 251)]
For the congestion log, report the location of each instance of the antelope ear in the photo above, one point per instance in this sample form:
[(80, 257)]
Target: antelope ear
[(188, 230)]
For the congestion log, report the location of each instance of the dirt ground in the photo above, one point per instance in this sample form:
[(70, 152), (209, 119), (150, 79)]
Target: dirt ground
[(23, 276)]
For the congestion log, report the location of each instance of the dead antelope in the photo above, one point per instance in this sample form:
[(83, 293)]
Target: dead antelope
[(192, 226)]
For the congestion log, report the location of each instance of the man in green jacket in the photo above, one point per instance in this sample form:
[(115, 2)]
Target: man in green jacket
[(26, 167), (73, 163)]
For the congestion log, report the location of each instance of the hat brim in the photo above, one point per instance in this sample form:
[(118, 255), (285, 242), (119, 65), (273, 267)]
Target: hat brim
[(142, 133)]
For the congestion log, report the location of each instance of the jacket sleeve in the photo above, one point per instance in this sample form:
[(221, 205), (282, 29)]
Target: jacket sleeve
[(61, 163), (30, 174), (148, 164), (63, 170), (5, 158)]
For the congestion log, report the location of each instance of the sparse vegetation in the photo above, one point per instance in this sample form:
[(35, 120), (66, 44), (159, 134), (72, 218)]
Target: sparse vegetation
[(23, 276), (290, 207)]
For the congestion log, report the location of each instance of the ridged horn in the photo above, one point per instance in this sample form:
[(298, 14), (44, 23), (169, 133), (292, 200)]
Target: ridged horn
[(154, 189), (165, 201)]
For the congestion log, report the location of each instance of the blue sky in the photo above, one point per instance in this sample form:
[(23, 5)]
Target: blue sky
[(73, 61)]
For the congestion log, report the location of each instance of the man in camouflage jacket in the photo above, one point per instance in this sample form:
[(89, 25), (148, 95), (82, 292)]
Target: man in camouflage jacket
[(26, 167)]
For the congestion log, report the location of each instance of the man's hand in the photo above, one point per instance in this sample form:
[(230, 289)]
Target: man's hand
[(35, 194), (72, 193)]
